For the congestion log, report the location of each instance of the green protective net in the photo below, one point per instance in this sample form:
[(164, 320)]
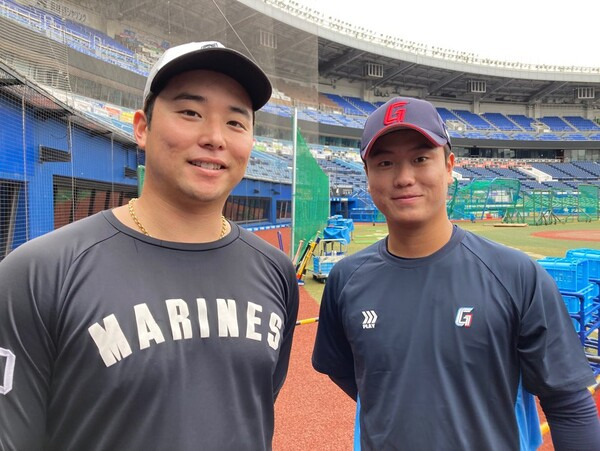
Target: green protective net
[(552, 206), (589, 202), (141, 174), (483, 199), (311, 197)]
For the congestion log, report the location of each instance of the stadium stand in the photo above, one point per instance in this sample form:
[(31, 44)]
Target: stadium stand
[(449, 116), (510, 173), (588, 166), (134, 50), (523, 121), (476, 121), (364, 106), (556, 124), (551, 170), (524, 137), (346, 106), (497, 135), (574, 171), (581, 124), (548, 137), (501, 122)]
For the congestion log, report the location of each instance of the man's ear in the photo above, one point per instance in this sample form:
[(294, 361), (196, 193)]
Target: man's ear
[(140, 128), (450, 166)]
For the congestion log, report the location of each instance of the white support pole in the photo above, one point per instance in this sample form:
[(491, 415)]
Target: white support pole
[(294, 154)]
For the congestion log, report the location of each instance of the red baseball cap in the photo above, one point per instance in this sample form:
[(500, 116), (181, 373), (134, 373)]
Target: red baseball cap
[(404, 113)]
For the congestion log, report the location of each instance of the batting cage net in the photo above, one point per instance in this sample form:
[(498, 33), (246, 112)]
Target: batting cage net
[(72, 74), (483, 198), (589, 200), (552, 206), (312, 196)]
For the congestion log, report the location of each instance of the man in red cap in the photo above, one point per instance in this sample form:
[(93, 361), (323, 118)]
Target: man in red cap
[(435, 328)]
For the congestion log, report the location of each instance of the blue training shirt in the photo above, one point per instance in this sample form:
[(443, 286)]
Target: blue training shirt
[(438, 345), (530, 434)]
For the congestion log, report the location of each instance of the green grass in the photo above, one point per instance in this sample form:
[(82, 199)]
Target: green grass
[(517, 237)]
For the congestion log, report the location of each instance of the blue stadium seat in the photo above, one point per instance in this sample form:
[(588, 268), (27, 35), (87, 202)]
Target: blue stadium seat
[(502, 136), (556, 124), (364, 106), (474, 120), (345, 105), (475, 135), (522, 121), (448, 115), (548, 137), (590, 167), (501, 122), (581, 123), (552, 171), (574, 137), (523, 137), (510, 173)]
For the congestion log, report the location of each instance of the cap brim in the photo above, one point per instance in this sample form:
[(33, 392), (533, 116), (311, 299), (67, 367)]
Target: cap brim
[(226, 61), (431, 137)]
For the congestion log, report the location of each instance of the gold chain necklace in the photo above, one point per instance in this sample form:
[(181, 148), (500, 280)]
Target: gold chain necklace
[(145, 232)]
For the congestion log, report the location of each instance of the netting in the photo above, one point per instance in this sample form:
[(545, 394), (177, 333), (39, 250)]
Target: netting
[(72, 75), (34, 41), (311, 196), (47, 153), (551, 206), (483, 199), (589, 202)]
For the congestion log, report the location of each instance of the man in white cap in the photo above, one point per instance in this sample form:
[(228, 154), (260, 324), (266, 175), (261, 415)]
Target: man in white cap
[(157, 325), (435, 328)]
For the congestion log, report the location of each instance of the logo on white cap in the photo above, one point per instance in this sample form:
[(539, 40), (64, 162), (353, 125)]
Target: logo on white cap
[(212, 45)]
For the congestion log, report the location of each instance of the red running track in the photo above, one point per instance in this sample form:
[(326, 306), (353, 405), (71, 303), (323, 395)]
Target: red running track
[(311, 413)]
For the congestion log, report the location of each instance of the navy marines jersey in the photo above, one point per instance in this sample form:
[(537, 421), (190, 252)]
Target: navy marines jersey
[(438, 345), (114, 340)]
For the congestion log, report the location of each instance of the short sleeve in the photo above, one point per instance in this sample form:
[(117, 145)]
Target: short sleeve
[(25, 353), (551, 356), (332, 353), (288, 333)]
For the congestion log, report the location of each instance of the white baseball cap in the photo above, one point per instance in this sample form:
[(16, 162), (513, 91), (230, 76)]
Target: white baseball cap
[(210, 55)]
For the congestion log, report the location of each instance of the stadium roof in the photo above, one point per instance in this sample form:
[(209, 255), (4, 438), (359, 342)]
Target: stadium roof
[(313, 49), (302, 38)]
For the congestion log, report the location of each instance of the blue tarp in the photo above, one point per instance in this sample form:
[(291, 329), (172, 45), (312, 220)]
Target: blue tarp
[(334, 232), (338, 221)]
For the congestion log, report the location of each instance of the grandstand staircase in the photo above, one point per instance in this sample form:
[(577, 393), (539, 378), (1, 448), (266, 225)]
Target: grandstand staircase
[(539, 176), (365, 211)]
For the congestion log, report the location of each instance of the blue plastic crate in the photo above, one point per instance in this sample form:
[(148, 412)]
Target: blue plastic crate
[(570, 274), (573, 303), (576, 324), (593, 258), (322, 267)]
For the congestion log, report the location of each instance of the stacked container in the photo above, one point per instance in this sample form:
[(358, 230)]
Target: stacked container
[(577, 276)]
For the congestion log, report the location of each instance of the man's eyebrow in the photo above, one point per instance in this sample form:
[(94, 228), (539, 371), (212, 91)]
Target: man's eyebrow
[(380, 151), (243, 111), (188, 96), (198, 98)]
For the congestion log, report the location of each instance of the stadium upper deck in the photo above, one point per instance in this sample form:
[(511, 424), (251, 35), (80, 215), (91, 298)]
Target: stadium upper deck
[(320, 63)]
